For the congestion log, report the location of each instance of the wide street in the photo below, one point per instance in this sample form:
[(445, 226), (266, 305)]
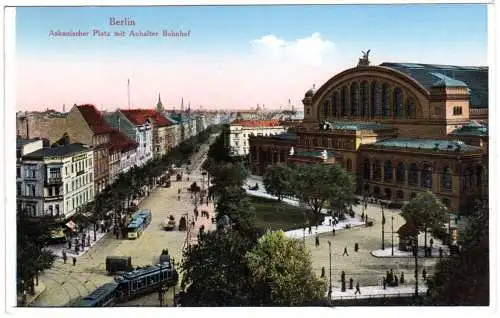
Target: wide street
[(65, 282)]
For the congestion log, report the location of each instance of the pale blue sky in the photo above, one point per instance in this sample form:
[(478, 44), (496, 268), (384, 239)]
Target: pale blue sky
[(230, 28)]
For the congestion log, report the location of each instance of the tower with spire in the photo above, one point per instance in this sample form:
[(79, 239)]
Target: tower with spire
[(159, 105)]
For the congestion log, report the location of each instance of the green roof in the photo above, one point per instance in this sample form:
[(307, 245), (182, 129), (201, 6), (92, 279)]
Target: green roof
[(471, 129), (431, 144), (474, 77), (446, 81), (341, 125), (315, 153)]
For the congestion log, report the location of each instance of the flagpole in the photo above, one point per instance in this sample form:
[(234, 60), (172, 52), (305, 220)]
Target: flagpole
[(128, 92)]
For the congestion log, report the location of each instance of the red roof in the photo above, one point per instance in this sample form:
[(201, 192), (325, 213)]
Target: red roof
[(139, 116), (94, 119), (119, 141), (256, 123)]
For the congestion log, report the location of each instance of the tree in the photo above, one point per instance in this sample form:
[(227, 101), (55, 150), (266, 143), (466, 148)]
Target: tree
[(226, 175), (425, 211), (282, 271), (278, 181), (215, 272), (32, 233), (218, 150), (464, 280), (234, 202), (317, 184)]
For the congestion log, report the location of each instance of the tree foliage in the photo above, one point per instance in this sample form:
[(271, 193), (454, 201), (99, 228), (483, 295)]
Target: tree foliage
[(426, 212), (319, 184), (464, 280), (215, 272), (282, 271), (228, 175), (278, 180), (234, 202)]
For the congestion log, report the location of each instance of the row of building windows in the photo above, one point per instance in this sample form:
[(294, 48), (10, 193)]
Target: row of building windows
[(328, 142), (79, 199), (369, 100), (78, 166)]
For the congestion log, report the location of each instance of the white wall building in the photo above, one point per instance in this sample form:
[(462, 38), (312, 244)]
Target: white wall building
[(240, 130), (57, 181)]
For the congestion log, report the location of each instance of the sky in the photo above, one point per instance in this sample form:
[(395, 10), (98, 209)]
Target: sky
[(235, 57)]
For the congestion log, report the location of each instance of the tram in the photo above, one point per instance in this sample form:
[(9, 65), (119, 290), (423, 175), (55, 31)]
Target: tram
[(103, 296), (135, 228), (144, 214)]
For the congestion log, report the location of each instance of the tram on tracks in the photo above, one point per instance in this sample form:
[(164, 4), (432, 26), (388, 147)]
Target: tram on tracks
[(140, 220), (131, 285)]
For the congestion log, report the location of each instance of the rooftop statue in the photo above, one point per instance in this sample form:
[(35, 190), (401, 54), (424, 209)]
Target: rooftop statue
[(364, 61)]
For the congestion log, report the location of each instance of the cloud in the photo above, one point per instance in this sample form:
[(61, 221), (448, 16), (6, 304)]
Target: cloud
[(310, 50)]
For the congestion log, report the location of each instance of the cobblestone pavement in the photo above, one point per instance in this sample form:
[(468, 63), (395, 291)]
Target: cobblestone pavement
[(66, 283)]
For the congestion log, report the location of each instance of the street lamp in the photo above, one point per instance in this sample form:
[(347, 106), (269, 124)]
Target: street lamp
[(415, 254), (383, 224), (392, 236), (330, 287)]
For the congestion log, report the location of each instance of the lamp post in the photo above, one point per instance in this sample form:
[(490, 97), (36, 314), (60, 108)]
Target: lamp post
[(392, 236), (330, 287), (415, 254), (383, 224)]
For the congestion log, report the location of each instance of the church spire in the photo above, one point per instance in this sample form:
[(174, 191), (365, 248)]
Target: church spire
[(159, 105)]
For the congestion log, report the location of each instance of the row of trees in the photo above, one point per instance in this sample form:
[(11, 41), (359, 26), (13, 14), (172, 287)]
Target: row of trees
[(318, 186), (238, 265)]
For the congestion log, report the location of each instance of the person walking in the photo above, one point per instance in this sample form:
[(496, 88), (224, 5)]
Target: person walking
[(317, 241), (64, 256), (74, 261), (323, 272), (345, 252), (357, 289), (424, 274), (384, 282)]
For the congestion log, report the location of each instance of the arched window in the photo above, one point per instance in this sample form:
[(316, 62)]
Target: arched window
[(373, 100), (366, 169), (468, 179), (398, 102), (387, 171), (377, 170), (349, 164), (400, 173), (385, 101), (410, 107), (325, 109), (413, 174), (446, 181), (364, 99), (426, 177), (334, 104), (354, 99), (343, 101)]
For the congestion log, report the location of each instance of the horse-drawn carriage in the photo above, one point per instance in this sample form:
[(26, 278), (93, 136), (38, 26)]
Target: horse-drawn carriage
[(169, 224)]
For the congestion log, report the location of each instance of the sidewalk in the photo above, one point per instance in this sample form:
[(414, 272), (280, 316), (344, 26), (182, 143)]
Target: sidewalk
[(376, 291), (421, 253), (38, 291), (59, 248)]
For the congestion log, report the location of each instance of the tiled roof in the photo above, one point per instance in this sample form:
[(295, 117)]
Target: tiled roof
[(475, 77), (256, 123), (60, 151), (96, 122), (139, 117), (119, 141), (430, 144)]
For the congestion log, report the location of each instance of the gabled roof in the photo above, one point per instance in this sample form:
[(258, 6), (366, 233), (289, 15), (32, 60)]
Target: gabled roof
[(119, 141), (93, 118), (474, 77), (139, 117)]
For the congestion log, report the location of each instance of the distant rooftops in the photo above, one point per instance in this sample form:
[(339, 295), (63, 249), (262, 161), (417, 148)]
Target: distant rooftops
[(57, 152), (256, 123), (430, 144), (139, 117), (93, 118)]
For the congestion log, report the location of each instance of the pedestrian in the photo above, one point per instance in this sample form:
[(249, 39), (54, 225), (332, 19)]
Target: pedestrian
[(351, 282), (178, 198), (440, 252), (323, 272), (178, 191), (330, 221), (333, 231), (88, 241), (342, 276), (69, 244), (366, 206), (357, 289), (366, 218), (388, 276), (431, 242), (310, 230), (77, 249), (345, 252), (356, 247), (391, 276), (74, 261), (402, 278), (64, 256), (317, 241), (424, 274), (396, 282), (384, 282)]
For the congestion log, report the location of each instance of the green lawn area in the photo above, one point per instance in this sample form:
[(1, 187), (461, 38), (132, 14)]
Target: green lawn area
[(275, 215)]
